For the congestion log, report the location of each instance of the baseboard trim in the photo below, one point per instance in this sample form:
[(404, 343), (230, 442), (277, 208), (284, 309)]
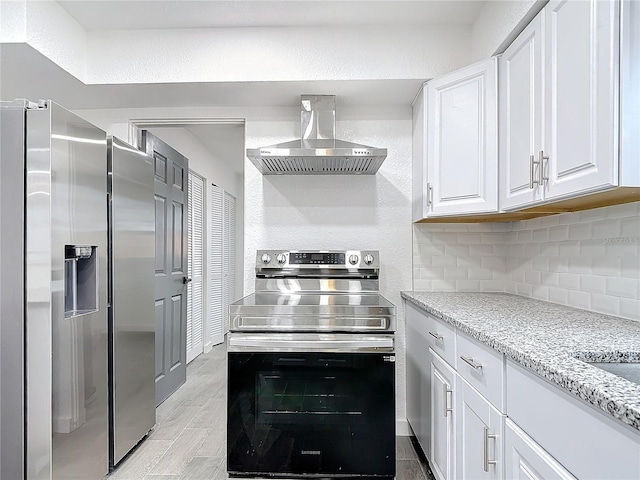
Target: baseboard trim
[(402, 428)]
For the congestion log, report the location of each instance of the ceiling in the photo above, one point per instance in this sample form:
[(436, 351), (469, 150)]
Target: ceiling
[(163, 14)]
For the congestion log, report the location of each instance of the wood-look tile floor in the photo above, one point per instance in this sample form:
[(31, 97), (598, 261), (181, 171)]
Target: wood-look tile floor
[(189, 439)]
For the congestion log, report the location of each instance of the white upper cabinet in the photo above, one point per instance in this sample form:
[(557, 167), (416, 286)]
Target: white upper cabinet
[(581, 96), (559, 105), (455, 157), (521, 117)]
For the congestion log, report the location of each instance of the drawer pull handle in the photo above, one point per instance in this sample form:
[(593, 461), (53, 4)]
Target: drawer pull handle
[(445, 400), (471, 362), (487, 462), (436, 336)]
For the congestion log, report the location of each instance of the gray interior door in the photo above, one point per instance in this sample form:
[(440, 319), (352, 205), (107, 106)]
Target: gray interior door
[(170, 189)]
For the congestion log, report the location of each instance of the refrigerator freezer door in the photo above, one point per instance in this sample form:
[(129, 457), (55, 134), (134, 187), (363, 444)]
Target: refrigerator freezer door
[(66, 358), (132, 347)]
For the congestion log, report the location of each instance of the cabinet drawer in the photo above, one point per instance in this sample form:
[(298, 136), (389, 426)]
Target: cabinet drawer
[(440, 336), (483, 368)]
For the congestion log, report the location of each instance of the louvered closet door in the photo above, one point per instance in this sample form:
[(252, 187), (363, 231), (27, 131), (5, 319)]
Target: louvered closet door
[(195, 297), (229, 256), (215, 300)]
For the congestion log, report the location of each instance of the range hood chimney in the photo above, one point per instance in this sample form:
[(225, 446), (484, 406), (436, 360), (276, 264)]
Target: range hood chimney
[(317, 152)]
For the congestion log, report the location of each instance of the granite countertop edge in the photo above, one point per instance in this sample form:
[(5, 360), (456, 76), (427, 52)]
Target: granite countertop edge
[(560, 368)]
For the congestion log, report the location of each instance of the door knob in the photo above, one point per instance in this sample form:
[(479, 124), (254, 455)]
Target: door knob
[(186, 280)]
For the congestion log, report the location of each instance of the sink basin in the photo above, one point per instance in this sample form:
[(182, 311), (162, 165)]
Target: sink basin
[(628, 371)]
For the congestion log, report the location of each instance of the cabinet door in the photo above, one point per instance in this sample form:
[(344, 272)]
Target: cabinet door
[(521, 118), (462, 141), (581, 96), (442, 455), (418, 362), (526, 460), (479, 435)]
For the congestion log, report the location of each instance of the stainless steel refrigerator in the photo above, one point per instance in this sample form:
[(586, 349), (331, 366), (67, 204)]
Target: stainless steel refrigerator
[(54, 330)]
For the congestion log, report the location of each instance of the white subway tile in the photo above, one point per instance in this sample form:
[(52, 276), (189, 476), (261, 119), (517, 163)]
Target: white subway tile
[(493, 285), (518, 275), (569, 218), (549, 220), (533, 223), (456, 227), (421, 261), (624, 210), (550, 279), (630, 267), (532, 249), (532, 277), (469, 262), (480, 227), (579, 299), (540, 292), (468, 238), (559, 233), (622, 250), (630, 227), (495, 263), (630, 308), (524, 289), (443, 261), (456, 250), (549, 249), (480, 250), (593, 284), (426, 249), (592, 248), (517, 250), (580, 231), (431, 273), (558, 264), (443, 285), (541, 264), (622, 287), (455, 273), (500, 249), (502, 227), (444, 237), (525, 236), (510, 287), (468, 286), (579, 265), (493, 238), (606, 229), (608, 265), (569, 248), (422, 285), (541, 235), (480, 274), (605, 304), (558, 295), (593, 214), (570, 281)]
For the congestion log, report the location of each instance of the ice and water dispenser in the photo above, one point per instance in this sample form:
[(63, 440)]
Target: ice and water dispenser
[(80, 280)]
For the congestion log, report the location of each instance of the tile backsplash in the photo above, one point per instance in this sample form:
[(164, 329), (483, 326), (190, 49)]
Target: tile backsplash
[(588, 259)]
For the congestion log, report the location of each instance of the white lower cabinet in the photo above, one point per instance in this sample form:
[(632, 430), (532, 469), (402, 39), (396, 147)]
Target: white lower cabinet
[(479, 435), (526, 460), (442, 454)]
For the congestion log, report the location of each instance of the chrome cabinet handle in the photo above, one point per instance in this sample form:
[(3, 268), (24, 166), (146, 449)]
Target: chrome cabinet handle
[(532, 162), (471, 362), (436, 336), (429, 194), (531, 182), (445, 399), (540, 162), (486, 460)]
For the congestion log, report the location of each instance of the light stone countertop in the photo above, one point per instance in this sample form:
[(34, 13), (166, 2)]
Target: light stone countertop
[(548, 339)]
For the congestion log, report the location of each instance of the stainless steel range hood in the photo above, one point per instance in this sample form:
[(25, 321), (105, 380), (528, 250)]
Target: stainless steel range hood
[(317, 152)]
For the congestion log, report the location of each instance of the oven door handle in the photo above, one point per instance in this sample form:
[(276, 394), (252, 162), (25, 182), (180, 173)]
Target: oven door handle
[(238, 342)]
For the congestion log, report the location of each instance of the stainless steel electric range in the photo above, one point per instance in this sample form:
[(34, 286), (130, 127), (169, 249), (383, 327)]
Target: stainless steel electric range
[(311, 381)]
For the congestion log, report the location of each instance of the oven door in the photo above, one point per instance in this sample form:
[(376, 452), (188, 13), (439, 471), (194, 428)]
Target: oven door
[(303, 405)]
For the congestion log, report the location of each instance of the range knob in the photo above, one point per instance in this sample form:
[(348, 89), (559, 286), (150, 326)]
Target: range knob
[(266, 258), (353, 259), (281, 258), (368, 259)]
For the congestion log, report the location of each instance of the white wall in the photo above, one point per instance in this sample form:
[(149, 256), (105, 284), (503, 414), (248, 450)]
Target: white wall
[(588, 260)]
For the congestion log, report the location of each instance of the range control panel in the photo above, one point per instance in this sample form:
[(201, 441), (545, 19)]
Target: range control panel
[(328, 259)]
